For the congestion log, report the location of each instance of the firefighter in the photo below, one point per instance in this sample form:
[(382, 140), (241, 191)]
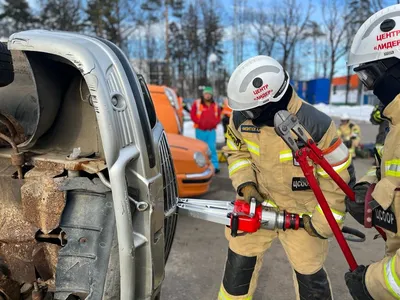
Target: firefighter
[(225, 115), (206, 115), (262, 166), (376, 57), (349, 132)]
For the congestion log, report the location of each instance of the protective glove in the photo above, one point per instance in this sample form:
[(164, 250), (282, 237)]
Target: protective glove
[(310, 228), (356, 208), (355, 282), (250, 191)]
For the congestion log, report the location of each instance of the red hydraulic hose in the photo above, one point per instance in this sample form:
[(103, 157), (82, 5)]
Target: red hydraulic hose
[(301, 157)]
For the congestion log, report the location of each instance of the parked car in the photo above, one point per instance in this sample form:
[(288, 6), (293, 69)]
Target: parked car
[(178, 103), (193, 168), (88, 189), (166, 108)]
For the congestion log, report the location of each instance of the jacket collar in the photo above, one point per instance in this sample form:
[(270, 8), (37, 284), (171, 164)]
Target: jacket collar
[(392, 111), (294, 103)]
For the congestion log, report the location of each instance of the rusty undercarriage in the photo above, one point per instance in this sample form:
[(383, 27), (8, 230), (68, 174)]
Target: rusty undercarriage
[(33, 193)]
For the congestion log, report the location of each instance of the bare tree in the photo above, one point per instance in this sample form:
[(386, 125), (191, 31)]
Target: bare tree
[(111, 19), (264, 25), (335, 27), (315, 34), (380, 4), (294, 16), (324, 57), (239, 29)]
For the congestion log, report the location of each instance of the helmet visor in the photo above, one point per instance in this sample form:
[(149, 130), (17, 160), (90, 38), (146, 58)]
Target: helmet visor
[(369, 73), (253, 113)]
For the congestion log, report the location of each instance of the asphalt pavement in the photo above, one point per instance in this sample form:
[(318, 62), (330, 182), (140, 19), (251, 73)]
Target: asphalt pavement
[(196, 263)]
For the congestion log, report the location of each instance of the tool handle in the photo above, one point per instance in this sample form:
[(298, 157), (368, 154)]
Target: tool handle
[(234, 224), (317, 156), (301, 156)]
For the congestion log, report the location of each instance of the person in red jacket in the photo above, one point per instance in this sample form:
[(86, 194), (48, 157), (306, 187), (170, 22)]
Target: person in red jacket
[(206, 115)]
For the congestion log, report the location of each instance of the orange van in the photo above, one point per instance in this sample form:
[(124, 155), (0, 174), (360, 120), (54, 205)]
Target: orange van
[(191, 157)]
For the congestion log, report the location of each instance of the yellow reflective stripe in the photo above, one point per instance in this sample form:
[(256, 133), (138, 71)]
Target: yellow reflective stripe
[(392, 168), (285, 155), (379, 148), (338, 215), (338, 168), (222, 295), (270, 203), (302, 214), (237, 165), (371, 172), (252, 147), (391, 279), (231, 145)]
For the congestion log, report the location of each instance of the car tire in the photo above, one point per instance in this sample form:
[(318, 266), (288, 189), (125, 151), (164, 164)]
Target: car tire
[(6, 66)]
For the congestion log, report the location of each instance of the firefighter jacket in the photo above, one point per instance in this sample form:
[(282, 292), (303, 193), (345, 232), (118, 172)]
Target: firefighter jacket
[(383, 277), (259, 156), (349, 131)]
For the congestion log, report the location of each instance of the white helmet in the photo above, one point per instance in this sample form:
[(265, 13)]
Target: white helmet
[(344, 117), (378, 38), (255, 82)]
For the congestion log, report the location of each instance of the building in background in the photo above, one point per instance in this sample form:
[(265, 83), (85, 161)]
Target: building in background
[(313, 91), (322, 91), (338, 90), (318, 91), (153, 71)]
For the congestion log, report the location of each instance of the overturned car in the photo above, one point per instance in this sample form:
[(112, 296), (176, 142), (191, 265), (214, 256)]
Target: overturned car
[(88, 190)]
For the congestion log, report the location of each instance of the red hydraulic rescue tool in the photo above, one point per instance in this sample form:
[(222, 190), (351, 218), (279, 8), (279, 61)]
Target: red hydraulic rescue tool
[(286, 123), (243, 218)]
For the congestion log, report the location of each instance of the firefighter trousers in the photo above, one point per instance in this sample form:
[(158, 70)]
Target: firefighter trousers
[(306, 255)]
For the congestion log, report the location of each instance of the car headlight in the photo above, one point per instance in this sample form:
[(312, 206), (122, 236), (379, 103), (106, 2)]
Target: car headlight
[(199, 159)]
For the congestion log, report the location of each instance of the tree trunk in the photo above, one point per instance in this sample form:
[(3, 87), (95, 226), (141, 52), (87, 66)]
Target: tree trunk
[(315, 58), (347, 85), (331, 74), (285, 59), (359, 93), (292, 63)]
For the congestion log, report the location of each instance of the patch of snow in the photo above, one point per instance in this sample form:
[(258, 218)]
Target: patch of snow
[(357, 113)]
